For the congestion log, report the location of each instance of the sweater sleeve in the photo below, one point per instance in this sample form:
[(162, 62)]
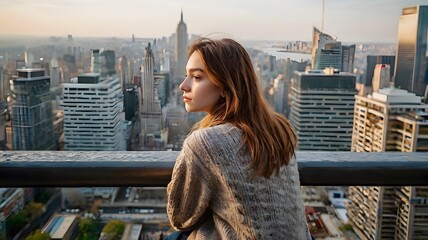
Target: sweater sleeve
[(188, 193)]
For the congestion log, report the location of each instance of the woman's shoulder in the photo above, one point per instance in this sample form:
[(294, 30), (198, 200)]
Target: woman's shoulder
[(217, 132), (215, 135)]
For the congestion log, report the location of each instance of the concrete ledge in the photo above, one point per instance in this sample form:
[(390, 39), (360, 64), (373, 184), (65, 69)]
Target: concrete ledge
[(92, 169)]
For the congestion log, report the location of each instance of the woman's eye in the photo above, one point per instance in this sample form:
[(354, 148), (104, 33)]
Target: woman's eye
[(196, 77)]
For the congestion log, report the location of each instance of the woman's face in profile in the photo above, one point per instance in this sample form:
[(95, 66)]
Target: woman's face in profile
[(199, 92)]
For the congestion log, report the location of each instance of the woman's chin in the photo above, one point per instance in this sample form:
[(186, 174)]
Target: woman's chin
[(189, 109)]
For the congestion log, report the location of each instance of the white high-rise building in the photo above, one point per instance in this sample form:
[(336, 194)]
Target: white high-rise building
[(93, 114), (390, 120), (322, 109), (375, 114)]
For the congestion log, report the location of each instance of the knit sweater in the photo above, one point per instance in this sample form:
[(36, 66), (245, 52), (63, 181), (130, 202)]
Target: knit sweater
[(212, 193)]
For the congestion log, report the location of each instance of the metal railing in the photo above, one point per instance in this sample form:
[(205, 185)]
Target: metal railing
[(94, 169)]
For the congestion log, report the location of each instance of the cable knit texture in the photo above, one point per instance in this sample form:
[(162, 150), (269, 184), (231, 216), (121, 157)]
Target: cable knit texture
[(212, 194)]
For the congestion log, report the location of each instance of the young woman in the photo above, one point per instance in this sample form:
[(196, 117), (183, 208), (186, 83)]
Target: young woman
[(236, 177)]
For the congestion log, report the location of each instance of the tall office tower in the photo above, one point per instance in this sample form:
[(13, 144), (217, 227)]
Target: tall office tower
[(124, 73), (290, 67), (29, 59), (176, 122), (151, 113), (411, 66), (98, 62), (156, 61), (110, 61), (130, 102), (180, 50), (161, 86), (389, 120), (20, 64), (371, 64), (322, 109), (55, 77), (3, 137), (31, 111), (93, 114), (280, 89), (326, 51), (3, 84), (348, 54), (165, 65), (70, 45), (381, 77)]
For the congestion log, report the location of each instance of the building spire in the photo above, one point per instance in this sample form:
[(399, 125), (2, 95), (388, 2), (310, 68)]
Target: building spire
[(181, 15)]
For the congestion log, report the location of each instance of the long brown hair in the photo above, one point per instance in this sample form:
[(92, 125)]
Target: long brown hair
[(268, 135)]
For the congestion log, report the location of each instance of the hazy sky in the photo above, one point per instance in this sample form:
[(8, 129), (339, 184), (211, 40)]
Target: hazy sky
[(349, 20)]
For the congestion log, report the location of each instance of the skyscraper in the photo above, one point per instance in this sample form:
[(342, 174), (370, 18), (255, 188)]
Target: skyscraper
[(110, 61), (93, 114), (180, 50), (326, 51), (31, 111), (70, 45), (125, 78), (411, 66), (389, 120), (290, 67), (3, 137), (98, 62), (381, 77), (130, 101), (151, 113), (3, 85), (348, 53), (380, 59), (322, 109)]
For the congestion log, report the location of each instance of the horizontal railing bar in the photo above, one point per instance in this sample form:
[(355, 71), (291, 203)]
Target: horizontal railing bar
[(95, 169)]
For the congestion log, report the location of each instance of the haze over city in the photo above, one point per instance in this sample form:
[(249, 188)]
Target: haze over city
[(356, 21), (96, 93)]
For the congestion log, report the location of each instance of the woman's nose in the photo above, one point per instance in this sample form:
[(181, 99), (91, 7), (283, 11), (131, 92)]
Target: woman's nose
[(184, 86)]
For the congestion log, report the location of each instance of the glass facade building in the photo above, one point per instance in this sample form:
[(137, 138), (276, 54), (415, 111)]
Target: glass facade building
[(411, 66), (31, 111)]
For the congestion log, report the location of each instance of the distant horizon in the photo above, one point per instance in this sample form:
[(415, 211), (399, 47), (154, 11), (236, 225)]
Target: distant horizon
[(365, 21), (4, 36)]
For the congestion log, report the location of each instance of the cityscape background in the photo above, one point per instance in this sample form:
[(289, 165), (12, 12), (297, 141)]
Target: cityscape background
[(240, 19), (349, 76)]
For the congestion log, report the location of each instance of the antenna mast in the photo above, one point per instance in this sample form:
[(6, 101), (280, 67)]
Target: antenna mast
[(322, 16)]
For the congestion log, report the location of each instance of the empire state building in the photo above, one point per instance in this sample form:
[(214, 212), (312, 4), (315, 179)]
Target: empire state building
[(180, 50)]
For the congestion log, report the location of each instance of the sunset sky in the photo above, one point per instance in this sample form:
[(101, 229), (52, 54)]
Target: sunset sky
[(349, 20)]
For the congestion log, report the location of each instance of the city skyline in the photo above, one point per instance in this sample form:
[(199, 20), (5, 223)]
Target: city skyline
[(348, 20)]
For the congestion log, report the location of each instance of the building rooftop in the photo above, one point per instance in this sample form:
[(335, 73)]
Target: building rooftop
[(30, 69), (30, 74), (325, 72), (59, 225), (394, 95)]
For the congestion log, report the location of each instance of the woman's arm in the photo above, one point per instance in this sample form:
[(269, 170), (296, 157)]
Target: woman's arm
[(188, 192)]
